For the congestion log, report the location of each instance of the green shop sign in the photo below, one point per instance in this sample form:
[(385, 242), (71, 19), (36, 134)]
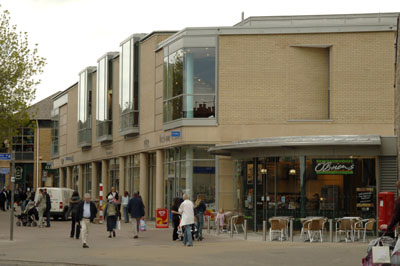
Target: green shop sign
[(334, 166)]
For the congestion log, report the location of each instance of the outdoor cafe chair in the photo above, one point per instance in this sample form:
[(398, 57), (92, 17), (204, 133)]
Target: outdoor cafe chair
[(345, 226), (315, 227), (238, 221), (278, 226), (304, 229), (364, 226)]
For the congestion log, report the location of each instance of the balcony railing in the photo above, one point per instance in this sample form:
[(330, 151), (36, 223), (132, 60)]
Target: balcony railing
[(85, 137), (129, 123), (54, 149), (104, 131)]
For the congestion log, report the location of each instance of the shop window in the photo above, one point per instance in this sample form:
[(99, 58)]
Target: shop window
[(114, 174), (189, 84), (133, 171)]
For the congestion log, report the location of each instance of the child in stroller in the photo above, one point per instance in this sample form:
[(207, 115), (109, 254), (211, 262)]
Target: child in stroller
[(194, 230), (29, 216)]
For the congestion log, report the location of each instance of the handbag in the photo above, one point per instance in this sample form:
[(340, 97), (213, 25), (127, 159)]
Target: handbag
[(118, 225), (380, 254), (142, 226)]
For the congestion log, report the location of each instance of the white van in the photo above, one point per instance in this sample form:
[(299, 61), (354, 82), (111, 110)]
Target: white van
[(60, 198)]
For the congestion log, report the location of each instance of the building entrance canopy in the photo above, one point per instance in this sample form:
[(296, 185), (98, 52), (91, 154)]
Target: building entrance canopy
[(309, 145)]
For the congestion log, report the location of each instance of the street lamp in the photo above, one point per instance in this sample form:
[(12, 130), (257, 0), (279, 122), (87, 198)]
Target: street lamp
[(7, 144)]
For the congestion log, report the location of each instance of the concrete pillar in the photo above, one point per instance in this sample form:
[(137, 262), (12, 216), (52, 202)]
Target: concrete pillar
[(121, 188), (69, 177), (104, 177), (144, 180), (80, 180), (189, 173), (160, 179), (62, 177), (95, 183)]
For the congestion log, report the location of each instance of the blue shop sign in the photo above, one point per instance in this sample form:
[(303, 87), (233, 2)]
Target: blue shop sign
[(175, 134), (204, 170), (4, 171)]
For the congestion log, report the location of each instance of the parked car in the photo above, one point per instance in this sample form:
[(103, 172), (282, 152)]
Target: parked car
[(59, 201)]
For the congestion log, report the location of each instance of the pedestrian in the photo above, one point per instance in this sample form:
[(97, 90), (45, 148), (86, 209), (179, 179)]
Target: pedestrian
[(73, 210), (136, 209), (48, 207), (200, 209), (114, 193), (41, 206), (125, 201), (111, 215), (8, 193), (86, 213), (3, 198), (22, 198), (186, 210), (175, 217)]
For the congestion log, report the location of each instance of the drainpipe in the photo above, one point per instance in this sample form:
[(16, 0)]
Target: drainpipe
[(37, 153)]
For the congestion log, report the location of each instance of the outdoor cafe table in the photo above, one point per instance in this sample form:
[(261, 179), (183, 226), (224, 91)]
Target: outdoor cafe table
[(353, 220)]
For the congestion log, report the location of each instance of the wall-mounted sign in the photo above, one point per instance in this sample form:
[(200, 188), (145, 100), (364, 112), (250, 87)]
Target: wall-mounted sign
[(18, 172), (4, 171), (334, 166), (203, 170), (69, 158), (365, 197), (175, 134)]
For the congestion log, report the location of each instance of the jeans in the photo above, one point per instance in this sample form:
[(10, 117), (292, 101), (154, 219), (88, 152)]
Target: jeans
[(126, 214), (200, 223), (48, 218), (188, 235)]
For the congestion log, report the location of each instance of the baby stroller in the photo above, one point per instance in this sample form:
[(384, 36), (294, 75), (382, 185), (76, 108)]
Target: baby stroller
[(29, 217), (194, 230)]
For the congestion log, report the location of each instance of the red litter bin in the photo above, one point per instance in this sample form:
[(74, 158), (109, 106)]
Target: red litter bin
[(385, 209), (162, 218)]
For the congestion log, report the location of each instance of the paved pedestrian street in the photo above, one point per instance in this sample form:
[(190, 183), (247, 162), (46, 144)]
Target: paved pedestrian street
[(53, 246)]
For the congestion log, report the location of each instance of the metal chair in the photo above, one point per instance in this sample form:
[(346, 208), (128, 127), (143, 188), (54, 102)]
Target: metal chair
[(364, 226), (344, 226), (238, 220), (277, 226), (304, 229), (315, 226)]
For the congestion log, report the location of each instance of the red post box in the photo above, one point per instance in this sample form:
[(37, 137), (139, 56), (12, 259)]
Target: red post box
[(385, 207)]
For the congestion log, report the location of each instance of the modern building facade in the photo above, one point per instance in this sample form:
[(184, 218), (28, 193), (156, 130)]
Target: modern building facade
[(273, 116)]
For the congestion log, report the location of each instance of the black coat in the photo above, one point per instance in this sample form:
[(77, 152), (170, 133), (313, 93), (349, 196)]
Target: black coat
[(93, 211), (136, 207), (48, 202)]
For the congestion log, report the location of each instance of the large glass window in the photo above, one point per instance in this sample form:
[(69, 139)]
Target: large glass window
[(189, 169), (104, 98), (54, 133), (114, 174), (23, 144), (133, 170), (189, 84), (87, 178), (129, 86), (85, 107)]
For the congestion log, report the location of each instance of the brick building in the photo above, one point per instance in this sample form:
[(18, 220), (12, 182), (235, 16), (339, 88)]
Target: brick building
[(273, 116)]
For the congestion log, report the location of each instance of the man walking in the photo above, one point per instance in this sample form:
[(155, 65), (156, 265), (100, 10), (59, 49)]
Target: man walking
[(48, 207), (41, 206), (136, 209), (3, 198), (86, 213)]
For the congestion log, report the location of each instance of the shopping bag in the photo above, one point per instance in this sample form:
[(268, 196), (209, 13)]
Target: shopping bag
[(380, 254), (395, 258), (118, 225), (142, 226)]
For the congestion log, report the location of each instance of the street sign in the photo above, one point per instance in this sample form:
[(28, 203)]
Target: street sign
[(5, 156), (13, 179), (175, 134)]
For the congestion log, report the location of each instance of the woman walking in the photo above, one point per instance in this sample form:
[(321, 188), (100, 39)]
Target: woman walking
[(175, 217), (111, 214), (73, 210), (200, 210), (125, 201), (186, 210)]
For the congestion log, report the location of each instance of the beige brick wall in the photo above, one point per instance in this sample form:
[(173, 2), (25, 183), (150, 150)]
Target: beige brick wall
[(225, 185), (259, 73)]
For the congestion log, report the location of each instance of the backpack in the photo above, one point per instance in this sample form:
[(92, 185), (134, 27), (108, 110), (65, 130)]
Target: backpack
[(111, 210)]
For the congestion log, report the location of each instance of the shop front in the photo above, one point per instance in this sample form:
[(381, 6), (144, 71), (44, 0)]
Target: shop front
[(329, 176)]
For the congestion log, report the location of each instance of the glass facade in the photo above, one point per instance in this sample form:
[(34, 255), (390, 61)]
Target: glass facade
[(113, 174), (85, 107), (133, 171), (87, 178), (24, 144), (104, 98), (189, 169), (304, 187), (189, 84), (55, 135), (129, 86)]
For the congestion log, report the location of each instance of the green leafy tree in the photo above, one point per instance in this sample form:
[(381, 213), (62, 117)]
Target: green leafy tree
[(20, 66)]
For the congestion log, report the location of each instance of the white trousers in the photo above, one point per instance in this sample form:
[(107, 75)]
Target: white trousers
[(136, 223), (85, 224)]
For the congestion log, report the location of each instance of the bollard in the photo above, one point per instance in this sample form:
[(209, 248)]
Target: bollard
[(231, 226), (264, 230), (330, 230), (217, 227), (291, 229), (245, 230), (208, 224)]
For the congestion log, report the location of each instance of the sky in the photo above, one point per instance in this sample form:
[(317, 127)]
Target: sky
[(73, 34)]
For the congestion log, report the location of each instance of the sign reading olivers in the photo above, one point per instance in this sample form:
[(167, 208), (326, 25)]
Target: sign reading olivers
[(334, 167)]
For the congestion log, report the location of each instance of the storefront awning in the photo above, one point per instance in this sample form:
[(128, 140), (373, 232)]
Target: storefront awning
[(297, 141)]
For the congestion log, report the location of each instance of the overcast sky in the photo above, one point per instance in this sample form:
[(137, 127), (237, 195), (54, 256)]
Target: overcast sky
[(73, 34)]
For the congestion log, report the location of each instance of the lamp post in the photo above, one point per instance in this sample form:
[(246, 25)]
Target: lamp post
[(264, 172), (7, 144)]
